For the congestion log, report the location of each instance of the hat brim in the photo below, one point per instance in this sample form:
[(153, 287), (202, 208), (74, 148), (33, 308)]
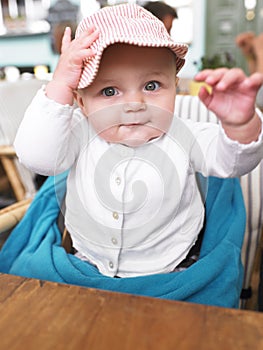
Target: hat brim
[(126, 24)]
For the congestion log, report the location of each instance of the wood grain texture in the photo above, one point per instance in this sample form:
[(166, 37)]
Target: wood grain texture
[(44, 315), (11, 215)]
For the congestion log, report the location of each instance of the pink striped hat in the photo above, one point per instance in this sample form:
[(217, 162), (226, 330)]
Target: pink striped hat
[(128, 24)]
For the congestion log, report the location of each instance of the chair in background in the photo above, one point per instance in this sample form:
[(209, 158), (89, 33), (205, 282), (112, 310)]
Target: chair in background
[(188, 106), (14, 99)]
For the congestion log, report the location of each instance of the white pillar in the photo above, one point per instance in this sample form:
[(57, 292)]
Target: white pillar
[(2, 25), (29, 9), (13, 9)]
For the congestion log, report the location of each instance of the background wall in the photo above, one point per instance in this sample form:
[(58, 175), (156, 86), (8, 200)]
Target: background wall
[(215, 25), (31, 50), (224, 20), (23, 51)]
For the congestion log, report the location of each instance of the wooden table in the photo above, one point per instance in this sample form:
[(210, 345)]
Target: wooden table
[(43, 315)]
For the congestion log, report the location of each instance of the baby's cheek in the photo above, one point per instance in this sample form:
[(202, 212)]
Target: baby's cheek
[(163, 122), (109, 134)]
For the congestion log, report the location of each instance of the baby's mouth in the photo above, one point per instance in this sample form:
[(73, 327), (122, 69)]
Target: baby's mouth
[(131, 124)]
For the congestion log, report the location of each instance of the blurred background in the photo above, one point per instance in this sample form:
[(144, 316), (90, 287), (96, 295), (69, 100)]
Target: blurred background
[(30, 30)]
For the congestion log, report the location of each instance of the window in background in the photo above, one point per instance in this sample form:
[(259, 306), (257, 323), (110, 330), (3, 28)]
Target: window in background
[(182, 29), (20, 17)]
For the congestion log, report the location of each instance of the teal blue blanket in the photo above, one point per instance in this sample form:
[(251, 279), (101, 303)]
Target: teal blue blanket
[(34, 250)]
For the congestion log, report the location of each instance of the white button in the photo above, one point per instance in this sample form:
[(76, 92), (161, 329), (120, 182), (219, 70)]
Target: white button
[(111, 265), (118, 180), (114, 240), (115, 215)]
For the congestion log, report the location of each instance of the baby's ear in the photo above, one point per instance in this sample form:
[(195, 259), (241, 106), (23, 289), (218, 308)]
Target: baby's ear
[(79, 100)]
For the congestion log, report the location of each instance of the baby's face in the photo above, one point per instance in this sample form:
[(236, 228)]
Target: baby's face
[(131, 101)]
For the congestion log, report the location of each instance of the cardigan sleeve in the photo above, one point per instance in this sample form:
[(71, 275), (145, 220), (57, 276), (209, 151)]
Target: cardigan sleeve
[(48, 138), (213, 153)]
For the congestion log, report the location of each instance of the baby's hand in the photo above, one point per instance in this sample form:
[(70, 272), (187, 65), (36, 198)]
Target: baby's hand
[(233, 101), (68, 71)]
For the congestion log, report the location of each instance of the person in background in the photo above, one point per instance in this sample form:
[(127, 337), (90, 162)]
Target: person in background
[(251, 46), (61, 14), (58, 32), (162, 11)]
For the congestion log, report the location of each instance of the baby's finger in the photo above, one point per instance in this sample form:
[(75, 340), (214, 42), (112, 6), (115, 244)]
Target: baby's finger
[(84, 55), (223, 78), (66, 39), (211, 76), (86, 39), (256, 79), (230, 78)]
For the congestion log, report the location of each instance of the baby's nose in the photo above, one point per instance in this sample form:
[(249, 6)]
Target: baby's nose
[(134, 106)]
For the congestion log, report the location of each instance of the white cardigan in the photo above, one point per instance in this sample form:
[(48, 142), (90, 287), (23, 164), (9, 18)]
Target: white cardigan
[(130, 211)]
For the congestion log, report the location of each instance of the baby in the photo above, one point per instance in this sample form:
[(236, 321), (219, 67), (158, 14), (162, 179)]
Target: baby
[(133, 205)]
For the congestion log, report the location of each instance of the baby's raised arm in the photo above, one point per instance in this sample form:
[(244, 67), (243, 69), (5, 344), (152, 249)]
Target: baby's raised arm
[(69, 68), (233, 101), (46, 141)]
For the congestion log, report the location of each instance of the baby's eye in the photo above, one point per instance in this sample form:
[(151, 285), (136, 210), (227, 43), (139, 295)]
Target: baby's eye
[(152, 85), (109, 91)]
